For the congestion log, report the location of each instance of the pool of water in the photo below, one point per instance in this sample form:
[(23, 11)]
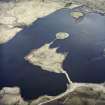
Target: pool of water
[(85, 46)]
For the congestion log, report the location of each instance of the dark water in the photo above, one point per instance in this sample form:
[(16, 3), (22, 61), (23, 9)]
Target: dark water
[(85, 61)]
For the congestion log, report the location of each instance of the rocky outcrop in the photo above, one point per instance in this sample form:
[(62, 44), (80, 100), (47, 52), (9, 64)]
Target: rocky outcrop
[(11, 96), (94, 4), (16, 15)]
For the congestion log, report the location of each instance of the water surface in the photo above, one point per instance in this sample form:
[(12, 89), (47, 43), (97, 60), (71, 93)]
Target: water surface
[(85, 61)]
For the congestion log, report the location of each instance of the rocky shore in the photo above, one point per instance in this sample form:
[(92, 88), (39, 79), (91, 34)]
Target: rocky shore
[(76, 94), (15, 15)]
